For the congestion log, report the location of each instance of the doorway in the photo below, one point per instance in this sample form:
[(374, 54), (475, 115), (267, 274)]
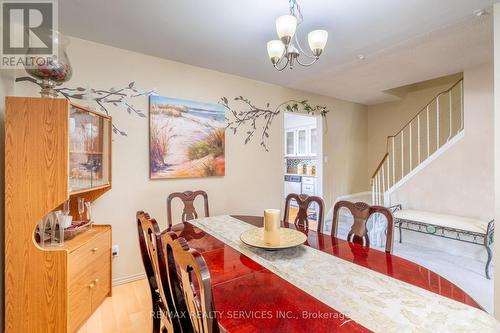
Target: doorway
[(302, 158)]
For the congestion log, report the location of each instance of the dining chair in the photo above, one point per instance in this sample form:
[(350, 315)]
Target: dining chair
[(302, 217), (361, 212), (196, 287), (155, 265), (169, 241), (189, 212)]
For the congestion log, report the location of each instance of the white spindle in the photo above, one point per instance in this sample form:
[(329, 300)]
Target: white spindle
[(461, 105), (388, 173), (437, 122), (373, 191), (382, 185), (393, 160), (411, 150), (402, 154), (379, 188), (451, 115), (428, 134), (418, 137)]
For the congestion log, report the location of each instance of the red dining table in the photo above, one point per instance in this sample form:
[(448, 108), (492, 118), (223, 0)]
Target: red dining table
[(249, 298)]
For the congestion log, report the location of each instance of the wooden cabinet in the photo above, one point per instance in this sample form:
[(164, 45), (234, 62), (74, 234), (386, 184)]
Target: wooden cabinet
[(50, 290)]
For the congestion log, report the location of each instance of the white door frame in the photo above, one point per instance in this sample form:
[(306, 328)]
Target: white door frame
[(319, 156)]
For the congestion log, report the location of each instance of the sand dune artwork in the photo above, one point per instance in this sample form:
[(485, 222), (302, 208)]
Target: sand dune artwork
[(186, 138)]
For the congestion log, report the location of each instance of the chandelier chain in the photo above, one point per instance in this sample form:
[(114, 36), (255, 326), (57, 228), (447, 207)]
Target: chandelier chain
[(295, 11)]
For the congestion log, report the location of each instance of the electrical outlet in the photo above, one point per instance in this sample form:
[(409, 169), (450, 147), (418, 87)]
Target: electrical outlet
[(115, 250)]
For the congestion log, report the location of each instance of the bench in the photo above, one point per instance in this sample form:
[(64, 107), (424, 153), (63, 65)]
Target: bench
[(459, 228)]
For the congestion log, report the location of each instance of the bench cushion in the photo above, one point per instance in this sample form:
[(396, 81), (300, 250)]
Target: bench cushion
[(450, 221)]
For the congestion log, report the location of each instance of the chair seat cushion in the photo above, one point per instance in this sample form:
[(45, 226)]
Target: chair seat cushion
[(450, 221)]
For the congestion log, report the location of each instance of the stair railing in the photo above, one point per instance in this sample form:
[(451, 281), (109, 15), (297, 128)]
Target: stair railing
[(423, 135)]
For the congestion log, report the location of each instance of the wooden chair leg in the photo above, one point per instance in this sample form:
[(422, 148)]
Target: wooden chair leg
[(156, 318)]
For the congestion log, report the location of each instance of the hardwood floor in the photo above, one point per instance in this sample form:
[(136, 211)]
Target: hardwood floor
[(128, 311)]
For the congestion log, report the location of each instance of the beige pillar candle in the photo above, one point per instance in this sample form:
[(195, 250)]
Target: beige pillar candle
[(272, 226)]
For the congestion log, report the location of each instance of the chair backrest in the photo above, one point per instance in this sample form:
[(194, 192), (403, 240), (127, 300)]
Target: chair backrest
[(302, 218), (155, 265), (189, 212), (361, 212), (169, 242), (196, 287)]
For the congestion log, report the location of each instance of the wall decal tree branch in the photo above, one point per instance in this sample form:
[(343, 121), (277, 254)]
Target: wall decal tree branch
[(252, 114), (103, 99)]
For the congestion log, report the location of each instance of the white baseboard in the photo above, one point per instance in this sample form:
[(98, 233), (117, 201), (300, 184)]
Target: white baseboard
[(127, 279), (353, 196)]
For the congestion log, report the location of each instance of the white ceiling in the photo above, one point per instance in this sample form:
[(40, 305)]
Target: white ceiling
[(403, 41)]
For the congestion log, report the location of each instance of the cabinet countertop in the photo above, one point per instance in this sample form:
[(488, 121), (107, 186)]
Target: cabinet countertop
[(296, 174), (81, 239)]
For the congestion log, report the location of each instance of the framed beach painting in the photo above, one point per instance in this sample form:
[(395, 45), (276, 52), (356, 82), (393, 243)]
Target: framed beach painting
[(186, 138)]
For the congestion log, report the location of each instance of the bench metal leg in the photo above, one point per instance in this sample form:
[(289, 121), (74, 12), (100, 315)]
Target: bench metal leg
[(400, 232), (487, 268)]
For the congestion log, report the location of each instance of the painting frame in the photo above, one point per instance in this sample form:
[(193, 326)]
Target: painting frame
[(186, 138)]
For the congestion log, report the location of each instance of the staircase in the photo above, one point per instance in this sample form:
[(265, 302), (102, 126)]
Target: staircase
[(426, 136)]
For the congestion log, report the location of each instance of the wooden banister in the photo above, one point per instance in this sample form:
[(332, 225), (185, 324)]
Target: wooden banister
[(425, 108), (380, 165)]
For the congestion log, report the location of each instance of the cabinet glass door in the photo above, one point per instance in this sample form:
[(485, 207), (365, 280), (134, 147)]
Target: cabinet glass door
[(302, 142), (88, 150), (100, 160), (290, 143), (313, 141), (80, 176)]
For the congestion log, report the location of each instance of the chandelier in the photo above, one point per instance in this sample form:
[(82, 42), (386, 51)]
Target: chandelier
[(285, 51)]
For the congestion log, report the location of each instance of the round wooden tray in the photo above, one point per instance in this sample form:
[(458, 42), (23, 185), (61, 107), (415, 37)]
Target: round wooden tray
[(288, 238)]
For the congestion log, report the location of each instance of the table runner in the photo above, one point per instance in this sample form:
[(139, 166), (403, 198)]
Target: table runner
[(376, 301)]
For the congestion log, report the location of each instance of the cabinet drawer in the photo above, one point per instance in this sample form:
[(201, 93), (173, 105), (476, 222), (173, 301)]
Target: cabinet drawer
[(308, 180), (86, 254), (307, 188)]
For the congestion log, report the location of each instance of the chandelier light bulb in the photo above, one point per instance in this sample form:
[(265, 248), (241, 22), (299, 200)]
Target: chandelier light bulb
[(285, 27), (317, 41), (275, 50)]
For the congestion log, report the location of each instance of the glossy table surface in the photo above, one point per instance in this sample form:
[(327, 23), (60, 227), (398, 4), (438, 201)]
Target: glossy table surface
[(250, 298)]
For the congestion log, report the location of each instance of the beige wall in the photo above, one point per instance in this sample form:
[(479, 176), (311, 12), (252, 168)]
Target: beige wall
[(497, 154), (459, 181), (388, 118), (254, 178)]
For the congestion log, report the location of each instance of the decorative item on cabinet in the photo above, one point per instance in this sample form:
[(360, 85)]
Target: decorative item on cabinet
[(313, 170), (300, 168), (52, 290), (56, 68)]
